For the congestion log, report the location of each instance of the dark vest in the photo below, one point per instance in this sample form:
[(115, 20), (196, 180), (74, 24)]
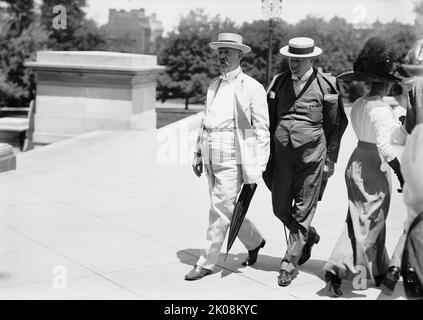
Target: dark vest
[(300, 120)]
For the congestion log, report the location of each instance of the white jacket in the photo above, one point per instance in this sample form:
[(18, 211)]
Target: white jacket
[(252, 137)]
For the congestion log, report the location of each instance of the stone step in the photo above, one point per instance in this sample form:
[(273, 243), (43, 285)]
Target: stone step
[(14, 124), (7, 158)]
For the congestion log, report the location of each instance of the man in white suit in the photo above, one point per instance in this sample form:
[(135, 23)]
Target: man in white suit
[(233, 146)]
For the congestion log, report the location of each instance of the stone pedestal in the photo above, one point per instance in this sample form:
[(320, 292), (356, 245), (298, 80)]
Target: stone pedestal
[(82, 91), (7, 158)]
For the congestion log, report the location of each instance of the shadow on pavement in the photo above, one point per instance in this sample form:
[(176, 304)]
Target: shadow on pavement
[(232, 264), (398, 293), (271, 264), (314, 267), (346, 288), (5, 275)]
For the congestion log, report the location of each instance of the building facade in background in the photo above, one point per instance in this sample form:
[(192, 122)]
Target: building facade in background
[(132, 31)]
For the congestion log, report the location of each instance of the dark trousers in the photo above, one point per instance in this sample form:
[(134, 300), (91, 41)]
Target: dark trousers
[(297, 178)]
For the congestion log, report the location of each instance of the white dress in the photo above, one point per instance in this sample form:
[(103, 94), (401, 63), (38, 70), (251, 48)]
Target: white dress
[(362, 241)]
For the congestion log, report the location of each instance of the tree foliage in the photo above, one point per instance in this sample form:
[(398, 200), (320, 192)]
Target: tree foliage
[(80, 33), (399, 36), (21, 35), (23, 32), (190, 63)]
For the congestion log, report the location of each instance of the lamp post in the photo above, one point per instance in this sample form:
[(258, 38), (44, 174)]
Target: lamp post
[(271, 9)]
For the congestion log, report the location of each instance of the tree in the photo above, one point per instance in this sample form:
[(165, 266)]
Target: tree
[(255, 35), (399, 36), (338, 39), (21, 35), (190, 63), (79, 34)]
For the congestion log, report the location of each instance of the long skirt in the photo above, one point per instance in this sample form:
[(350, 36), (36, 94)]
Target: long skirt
[(360, 249)]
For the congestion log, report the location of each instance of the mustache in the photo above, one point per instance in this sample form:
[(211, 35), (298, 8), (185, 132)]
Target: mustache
[(223, 61)]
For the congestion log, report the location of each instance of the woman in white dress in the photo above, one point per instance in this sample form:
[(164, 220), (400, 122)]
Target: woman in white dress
[(361, 245)]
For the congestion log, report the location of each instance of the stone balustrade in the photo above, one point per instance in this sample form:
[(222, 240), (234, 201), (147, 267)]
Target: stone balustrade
[(7, 158), (83, 91)]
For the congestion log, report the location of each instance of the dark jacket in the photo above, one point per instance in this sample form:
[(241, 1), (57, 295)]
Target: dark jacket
[(333, 119)]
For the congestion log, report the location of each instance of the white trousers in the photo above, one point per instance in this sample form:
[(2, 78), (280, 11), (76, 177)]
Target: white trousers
[(225, 182)]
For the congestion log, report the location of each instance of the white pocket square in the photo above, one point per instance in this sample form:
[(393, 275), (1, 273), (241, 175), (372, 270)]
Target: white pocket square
[(272, 95)]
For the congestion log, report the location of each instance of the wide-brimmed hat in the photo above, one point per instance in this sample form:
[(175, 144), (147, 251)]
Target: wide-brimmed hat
[(229, 40), (376, 62), (300, 47), (366, 76), (413, 66)]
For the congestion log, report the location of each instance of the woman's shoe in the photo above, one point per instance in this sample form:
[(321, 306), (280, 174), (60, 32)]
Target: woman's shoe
[(390, 280), (379, 279), (334, 284)]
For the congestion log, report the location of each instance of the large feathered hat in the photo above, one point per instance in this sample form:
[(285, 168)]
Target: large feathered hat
[(376, 62)]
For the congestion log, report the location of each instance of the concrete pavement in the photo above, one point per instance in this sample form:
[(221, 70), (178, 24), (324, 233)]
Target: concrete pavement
[(120, 215)]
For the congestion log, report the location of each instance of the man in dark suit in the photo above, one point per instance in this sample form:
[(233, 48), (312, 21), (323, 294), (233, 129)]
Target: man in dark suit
[(307, 121)]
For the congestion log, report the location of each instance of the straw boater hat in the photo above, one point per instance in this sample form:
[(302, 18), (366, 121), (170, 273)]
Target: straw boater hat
[(376, 62), (300, 47), (229, 40)]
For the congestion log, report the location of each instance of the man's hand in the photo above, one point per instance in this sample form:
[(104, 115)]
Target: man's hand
[(197, 165), (328, 169)]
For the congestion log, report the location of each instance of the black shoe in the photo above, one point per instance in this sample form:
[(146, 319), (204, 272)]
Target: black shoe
[(334, 284), (313, 238), (379, 279), (284, 278), (252, 255), (390, 280), (197, 273)]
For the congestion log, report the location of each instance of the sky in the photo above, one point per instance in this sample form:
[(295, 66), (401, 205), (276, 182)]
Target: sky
[(170, 11)]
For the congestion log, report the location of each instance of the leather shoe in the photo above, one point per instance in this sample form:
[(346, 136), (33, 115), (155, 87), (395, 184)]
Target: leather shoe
[(312, 239), (334, 284), (390, 280), (284, 278), (252, 255), (379, 279), (197, 273)]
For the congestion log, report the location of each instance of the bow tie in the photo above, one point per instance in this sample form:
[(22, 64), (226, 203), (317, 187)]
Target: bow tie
[(226, 77)]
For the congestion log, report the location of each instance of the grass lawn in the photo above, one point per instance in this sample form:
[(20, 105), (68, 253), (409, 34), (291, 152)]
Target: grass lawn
[(174, 110)]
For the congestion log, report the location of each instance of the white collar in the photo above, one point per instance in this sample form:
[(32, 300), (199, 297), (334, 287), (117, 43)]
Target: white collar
[(231, 74), (305, 76)]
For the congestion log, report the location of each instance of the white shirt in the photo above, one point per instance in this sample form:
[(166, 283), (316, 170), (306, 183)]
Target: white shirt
[(299, 83), (374, 121), (221, 113)]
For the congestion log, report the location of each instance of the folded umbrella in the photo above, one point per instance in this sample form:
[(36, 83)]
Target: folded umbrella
[(323, 186), (240, 211)]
